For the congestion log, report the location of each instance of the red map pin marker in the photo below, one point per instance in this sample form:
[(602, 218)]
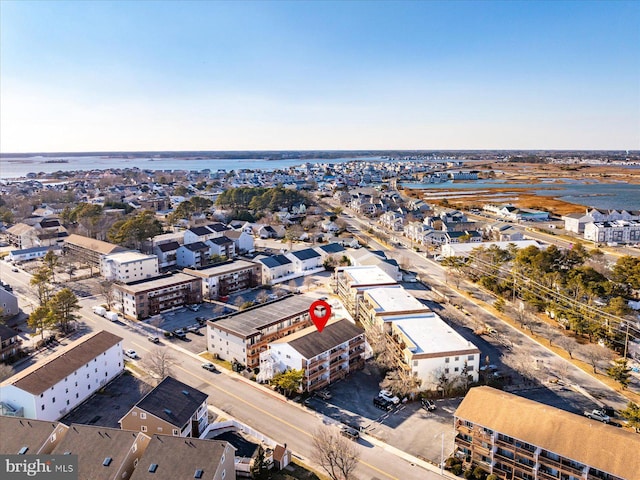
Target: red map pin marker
[(320, 312)]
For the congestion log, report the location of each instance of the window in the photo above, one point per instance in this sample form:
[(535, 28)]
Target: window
[(159, 429), (143, 428), (76, 395), (53, 400), (66, 390), (470, 357), (143, 415), (456, 369), (446, 370), (224, 472), (457, 358), (67, 402), (446, 360), (107, 462), (175, 432), (153, 467), (42, 407)]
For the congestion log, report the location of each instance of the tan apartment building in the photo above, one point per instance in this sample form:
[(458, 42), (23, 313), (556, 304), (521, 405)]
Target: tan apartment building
[(177, 458), (325, 357), (242, 336), (230, 277), (89, 250), (103, 453), (171, 408), (145, 298), (516, 438), (29, 436)]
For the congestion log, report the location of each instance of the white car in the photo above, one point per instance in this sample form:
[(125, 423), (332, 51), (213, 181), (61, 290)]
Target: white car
[(389, 397), (131, 354)]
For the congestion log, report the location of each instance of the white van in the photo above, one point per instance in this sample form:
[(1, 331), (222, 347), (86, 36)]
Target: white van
[(113, 316), (98, 310)]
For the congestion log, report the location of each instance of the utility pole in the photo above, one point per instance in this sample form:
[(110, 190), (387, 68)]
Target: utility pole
[(626, 341)]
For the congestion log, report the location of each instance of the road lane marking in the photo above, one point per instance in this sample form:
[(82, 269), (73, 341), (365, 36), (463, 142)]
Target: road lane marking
[(269, 414)]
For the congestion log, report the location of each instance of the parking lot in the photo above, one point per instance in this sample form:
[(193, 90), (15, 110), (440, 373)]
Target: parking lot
[(408, 426)]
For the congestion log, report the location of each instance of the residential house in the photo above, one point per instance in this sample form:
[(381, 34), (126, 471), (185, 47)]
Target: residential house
[(324, 356), (243, 241), (332, 249), (193, 255), (10, 342), (8, 302), (222, 246), (513, 437), (306, 261), (329, 227), (227, 278), (145, 298), (204, 233), (36, 232), (171, 408), (49, 390), (176, 458), (468, 236), (276, 269), (243, 335), (616, 231), (128, 266), (89, 250), (30, 437), (392, 220), (167, 254), (103, 453), (31, 253)]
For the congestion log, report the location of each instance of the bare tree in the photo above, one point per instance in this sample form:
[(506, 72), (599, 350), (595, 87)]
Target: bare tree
[(5, 371), (402, 382), (569, 345), (594, 355), (337, 455), (106, 289), (261, 297), (382, 348), (157, 364), (308, 281)]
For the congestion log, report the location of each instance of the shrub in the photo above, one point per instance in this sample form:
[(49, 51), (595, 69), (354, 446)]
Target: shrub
[(451, 461), (456, 469), (492, 477), (479, 473), (468, 474)]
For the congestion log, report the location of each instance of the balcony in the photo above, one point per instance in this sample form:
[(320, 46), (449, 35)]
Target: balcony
[(460, 440), (502, 457), (336, 354), (311, 376), (559, 465), (318, 384), (542, 475), (319, 361)]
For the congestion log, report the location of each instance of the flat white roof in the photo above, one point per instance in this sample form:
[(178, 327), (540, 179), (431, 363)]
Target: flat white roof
[(368, 275), (126, 257), (431, 334), (394, 299)]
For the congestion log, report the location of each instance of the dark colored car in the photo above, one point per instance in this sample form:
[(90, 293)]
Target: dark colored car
[(349, 432), (382, 404), (428, 404)]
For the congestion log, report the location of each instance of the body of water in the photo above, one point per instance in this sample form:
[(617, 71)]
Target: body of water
[(20, 167), (607, 196)]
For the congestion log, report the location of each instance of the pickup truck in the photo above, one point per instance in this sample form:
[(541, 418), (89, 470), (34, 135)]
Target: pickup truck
[(597, 415)]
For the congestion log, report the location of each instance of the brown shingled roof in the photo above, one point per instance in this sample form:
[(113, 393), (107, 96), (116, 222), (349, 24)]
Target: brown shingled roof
[(586, 441), (38, 378), (95, 245)]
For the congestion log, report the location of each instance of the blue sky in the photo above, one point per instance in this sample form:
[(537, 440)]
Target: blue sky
[(143, 75)]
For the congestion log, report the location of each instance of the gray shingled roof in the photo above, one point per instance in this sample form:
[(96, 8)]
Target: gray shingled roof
[(169, 401), (196, 246), (200, 231), (169, 246), (314, 343), (39, 378), (247, 323), (179, 458), (93, 445), (32, 434)]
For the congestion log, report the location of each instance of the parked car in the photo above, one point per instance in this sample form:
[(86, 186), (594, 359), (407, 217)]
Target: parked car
[(349, 432), (597, 414), (180, 334), (209, 366), (428, 404), (382, 404), (194, 329), (131, 354), (14, 269), (193, 308), (153, 339), (388, 396), (324, 394)]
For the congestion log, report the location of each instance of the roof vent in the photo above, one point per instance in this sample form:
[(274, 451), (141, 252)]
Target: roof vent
[(167, 411), (184, 392), (153, 467), (23, 450), (107, 462), (198, 474)]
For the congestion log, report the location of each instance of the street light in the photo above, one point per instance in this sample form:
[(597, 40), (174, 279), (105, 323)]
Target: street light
[(441, 454)]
